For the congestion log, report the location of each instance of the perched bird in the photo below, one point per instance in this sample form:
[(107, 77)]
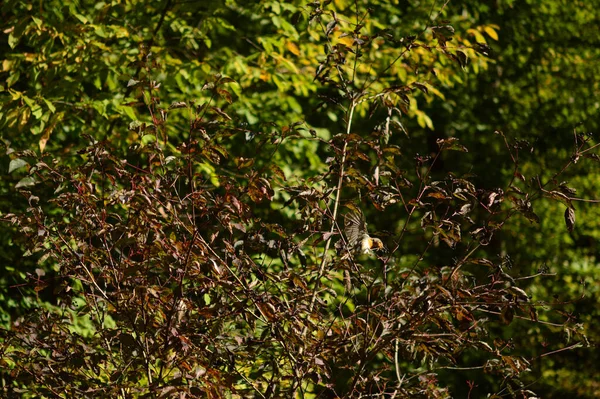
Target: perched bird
[(359, 239)]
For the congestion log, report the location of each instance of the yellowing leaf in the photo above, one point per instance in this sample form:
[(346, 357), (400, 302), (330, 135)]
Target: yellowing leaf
[(24, 118), (344, 39), (44, 139), (7, 65), (347, 40), (292, 48), (491, 32), (478, 36), (265, 76)]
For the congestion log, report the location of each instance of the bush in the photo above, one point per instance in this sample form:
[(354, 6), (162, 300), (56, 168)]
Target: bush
[(210, 263)]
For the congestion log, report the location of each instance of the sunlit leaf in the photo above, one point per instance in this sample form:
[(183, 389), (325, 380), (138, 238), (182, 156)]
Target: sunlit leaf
[(26, 182), (16, 164)]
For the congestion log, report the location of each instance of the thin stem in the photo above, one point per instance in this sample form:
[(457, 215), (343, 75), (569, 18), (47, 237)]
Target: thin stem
[(335, 208), (139, 69), (571, 347), (397, 367)]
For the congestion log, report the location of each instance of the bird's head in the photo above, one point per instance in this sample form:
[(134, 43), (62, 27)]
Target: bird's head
[(376, 244)]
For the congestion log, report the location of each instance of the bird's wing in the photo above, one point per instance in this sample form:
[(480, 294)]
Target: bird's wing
[(355, 227)]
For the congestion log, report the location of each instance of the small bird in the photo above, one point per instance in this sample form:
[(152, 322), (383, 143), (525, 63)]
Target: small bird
[(359, 239)]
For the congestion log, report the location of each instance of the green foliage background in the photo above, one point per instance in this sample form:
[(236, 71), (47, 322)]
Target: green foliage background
[(71, 71)]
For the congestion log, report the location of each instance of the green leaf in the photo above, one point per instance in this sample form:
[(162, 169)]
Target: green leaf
[(135, 125), (12, 40), (50, 106), (12, 79), (29, 101), (80, 17), (148, 139), (16, 164), (129, 112), (37, 21)]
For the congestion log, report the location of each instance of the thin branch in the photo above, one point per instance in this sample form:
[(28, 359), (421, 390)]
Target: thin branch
[(570, 347), (139, 69), (522, 318), (335, 208)]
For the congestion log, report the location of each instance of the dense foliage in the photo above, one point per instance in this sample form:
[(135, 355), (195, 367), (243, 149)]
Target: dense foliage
[(177, 175)]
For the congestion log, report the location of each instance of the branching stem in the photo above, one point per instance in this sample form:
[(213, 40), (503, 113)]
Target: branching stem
[(338, 193)]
